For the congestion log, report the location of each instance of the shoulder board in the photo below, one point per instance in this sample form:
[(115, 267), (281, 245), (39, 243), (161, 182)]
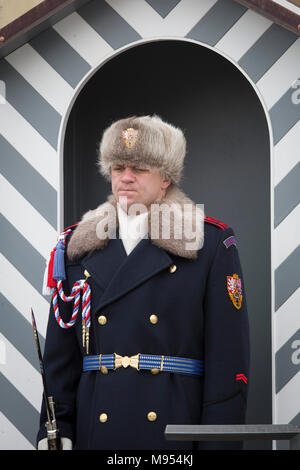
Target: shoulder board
[(70, 227), (216, 222), (65, 232)]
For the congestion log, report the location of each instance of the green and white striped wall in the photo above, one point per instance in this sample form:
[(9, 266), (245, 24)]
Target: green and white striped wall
[(42, 79)]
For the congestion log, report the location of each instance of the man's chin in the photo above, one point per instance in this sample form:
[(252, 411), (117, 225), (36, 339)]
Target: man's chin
[(126, 200)]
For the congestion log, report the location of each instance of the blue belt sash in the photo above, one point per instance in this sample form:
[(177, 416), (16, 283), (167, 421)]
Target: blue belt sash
[(151, 362)]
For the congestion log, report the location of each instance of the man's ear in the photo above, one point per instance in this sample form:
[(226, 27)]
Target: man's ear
[(166, 183)]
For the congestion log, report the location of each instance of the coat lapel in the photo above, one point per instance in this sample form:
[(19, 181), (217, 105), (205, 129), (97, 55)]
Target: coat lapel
[(118, 273), (103, 264)]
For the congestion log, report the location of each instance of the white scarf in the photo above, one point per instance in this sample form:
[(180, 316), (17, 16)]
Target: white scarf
[(132, 228)]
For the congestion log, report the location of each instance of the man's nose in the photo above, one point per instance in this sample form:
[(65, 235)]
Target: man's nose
[(127, 174)]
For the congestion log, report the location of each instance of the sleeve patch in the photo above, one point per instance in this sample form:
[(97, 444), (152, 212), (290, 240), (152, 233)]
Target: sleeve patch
[(230, 241), (234, 287)]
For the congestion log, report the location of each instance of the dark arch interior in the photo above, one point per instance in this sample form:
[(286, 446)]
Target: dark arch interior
[(227, 165)]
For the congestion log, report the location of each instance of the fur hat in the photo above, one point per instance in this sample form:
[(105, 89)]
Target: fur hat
[(145, 141)]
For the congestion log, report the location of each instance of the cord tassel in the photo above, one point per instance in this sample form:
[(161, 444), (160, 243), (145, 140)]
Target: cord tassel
[(59, 272)]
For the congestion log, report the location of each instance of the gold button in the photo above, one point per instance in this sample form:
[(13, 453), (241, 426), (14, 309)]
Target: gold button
[(173, 268), (104, 370), (103, 418), (151, 416), (102, 319), (154, 371), (153, 319)]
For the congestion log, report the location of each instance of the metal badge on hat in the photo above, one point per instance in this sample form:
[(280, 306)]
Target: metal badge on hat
[(130, 137)]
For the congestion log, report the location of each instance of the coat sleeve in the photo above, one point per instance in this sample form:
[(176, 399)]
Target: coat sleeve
[(226, 336), (62, 365)]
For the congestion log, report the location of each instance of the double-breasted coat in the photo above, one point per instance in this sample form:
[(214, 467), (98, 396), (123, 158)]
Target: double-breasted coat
[(158, 300)]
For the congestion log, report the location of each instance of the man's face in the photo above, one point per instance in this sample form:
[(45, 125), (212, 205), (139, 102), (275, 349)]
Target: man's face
[(138, 184)]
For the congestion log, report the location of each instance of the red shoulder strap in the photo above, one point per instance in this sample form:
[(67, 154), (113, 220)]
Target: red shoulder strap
[(71, 226), (216, 222)]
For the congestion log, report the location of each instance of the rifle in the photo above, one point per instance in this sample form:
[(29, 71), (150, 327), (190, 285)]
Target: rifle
[(54, 442)]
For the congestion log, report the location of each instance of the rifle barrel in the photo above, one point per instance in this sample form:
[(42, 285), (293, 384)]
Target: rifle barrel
[(38, 348)]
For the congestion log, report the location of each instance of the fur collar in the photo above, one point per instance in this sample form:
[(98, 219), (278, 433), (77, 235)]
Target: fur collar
[(85, 238)]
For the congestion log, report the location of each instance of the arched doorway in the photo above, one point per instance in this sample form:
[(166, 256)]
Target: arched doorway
[(227, 165)]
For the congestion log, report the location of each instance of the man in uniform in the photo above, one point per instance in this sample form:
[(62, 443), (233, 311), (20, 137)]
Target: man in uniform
[(164, 335)]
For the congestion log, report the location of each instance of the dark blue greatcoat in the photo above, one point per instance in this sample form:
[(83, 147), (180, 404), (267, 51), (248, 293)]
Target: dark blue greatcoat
[(196, 319)]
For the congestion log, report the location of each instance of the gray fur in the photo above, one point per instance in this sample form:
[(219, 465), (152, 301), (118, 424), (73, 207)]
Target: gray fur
[(85, 237)]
